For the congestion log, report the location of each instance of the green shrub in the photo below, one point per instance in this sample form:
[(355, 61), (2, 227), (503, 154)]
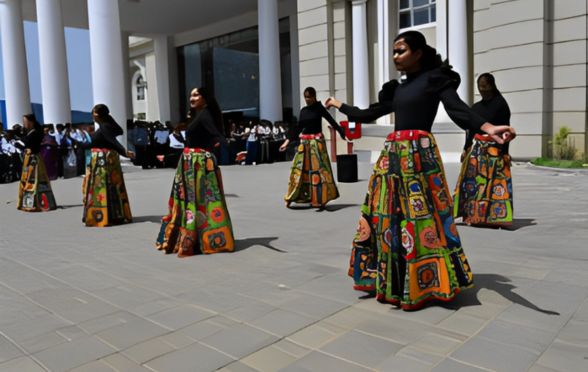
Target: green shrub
[(564, 146)]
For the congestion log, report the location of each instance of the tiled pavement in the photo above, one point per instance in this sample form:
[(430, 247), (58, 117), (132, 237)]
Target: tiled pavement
[(89, 299)]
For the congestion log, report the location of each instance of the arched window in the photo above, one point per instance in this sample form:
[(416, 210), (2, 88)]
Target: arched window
[(141, 87), (416, 12)]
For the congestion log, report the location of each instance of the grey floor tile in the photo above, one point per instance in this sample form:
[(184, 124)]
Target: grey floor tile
[(73, 354), (451, 365), (282, 322), (239, 341), (181, 316), (21, 364), (363, 349), (8, 350), (316, 361), (205, 328), (148, 350), (105, 322), (529, 338), (575, 332), (196, 357), (482, 352), (564, 357), (131, 333)]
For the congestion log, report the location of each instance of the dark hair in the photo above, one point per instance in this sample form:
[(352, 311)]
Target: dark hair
[(101, 110), (490, 79), (214, 108), (32, 118), (311, 91), (416, 41)]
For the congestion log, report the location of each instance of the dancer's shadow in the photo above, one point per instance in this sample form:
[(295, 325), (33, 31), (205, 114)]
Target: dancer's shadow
[(242, 244), (231, 196), (336, 207), (154, 219), (68, 206), (517, 223), (497, 283)]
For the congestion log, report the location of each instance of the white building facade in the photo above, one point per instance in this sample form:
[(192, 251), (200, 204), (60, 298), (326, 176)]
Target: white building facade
[(258, 56)]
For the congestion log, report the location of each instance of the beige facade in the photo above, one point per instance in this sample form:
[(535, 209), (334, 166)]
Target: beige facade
[(535, 49)]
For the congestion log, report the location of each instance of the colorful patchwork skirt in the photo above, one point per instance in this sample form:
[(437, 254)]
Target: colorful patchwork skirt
[(34, 191), (106, 202), (198, 220), (407, 248), (483, 195), (311, 177)]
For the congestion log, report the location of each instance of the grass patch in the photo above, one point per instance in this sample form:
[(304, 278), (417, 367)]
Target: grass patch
[(559, 163)]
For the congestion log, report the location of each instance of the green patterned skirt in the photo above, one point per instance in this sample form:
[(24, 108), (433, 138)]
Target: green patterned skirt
[(198, 220), (407, 249), (311, 177), (483, 194), (34, 190), (106, 202)]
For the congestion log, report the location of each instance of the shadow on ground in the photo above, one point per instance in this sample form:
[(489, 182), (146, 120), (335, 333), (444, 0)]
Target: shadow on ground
[(336, 207), (242, 244), (68, 206), (517, 223), (497, 283), (154, 219)]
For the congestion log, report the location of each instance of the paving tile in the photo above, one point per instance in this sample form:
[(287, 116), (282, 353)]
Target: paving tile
[(237, 367), (121, 363), (312, 306), (316, 361), (205, 328), (239, 341), (422, 356), (529, 338), (181, 316), (20, 365), (95, 366), (400, 331), (291, 348), (436, 344), (539, 368), (403, 363), (565, 357), (482, 352), (105, 322), (27, 329), (42, 342), (250, 311), (131, 333), (73, 354), (314, 336), (148, 350), (196, 357), (282, 322), (463, 323), (452, 365), (177, 339), (575, 332), (361, 348), (268, 359)]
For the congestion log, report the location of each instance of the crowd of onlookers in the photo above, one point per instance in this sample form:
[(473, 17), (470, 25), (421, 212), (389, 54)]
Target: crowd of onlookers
[(156, 145)]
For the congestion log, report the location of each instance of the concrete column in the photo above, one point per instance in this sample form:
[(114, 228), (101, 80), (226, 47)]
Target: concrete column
[(441, 33), (458, 47), (166, 75), (52, 55), (124, 37), (107, 61), (361, 82), (16, 78), (270, 77)]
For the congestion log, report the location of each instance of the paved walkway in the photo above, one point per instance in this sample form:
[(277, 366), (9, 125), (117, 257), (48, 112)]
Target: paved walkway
[(90, 299)]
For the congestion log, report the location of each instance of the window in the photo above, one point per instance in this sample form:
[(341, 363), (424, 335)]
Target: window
[(141, 87), (416, 12)]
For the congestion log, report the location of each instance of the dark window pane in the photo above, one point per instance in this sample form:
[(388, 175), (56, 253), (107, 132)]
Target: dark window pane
[(421, 16), (416, 3), (433, 13), (404, 4), (405, 20)]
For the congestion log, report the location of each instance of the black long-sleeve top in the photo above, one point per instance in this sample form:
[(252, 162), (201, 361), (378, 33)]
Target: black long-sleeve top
[(33, 139), (202, 131), (310, 121), (495, 111), (416, 100), (105, 137)]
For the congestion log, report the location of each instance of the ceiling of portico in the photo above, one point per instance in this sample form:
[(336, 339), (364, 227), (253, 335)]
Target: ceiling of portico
[(146, 17)]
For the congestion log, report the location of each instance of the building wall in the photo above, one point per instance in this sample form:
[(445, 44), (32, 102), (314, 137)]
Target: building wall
[(537, 53)]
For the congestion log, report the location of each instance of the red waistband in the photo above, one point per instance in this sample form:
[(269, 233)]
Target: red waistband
[(407, 134), (311, 136), (483, 138), (188, 150), (101, 149)]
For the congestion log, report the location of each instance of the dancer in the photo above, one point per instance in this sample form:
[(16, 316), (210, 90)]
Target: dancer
[(311, 177), (106, 202), (407, 248), (34, 191), (198, 220), (483, 194)]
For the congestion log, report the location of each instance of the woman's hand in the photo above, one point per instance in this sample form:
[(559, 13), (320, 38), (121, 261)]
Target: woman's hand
[(284, 145), (130, 154), (499, 133), (333, 102)]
